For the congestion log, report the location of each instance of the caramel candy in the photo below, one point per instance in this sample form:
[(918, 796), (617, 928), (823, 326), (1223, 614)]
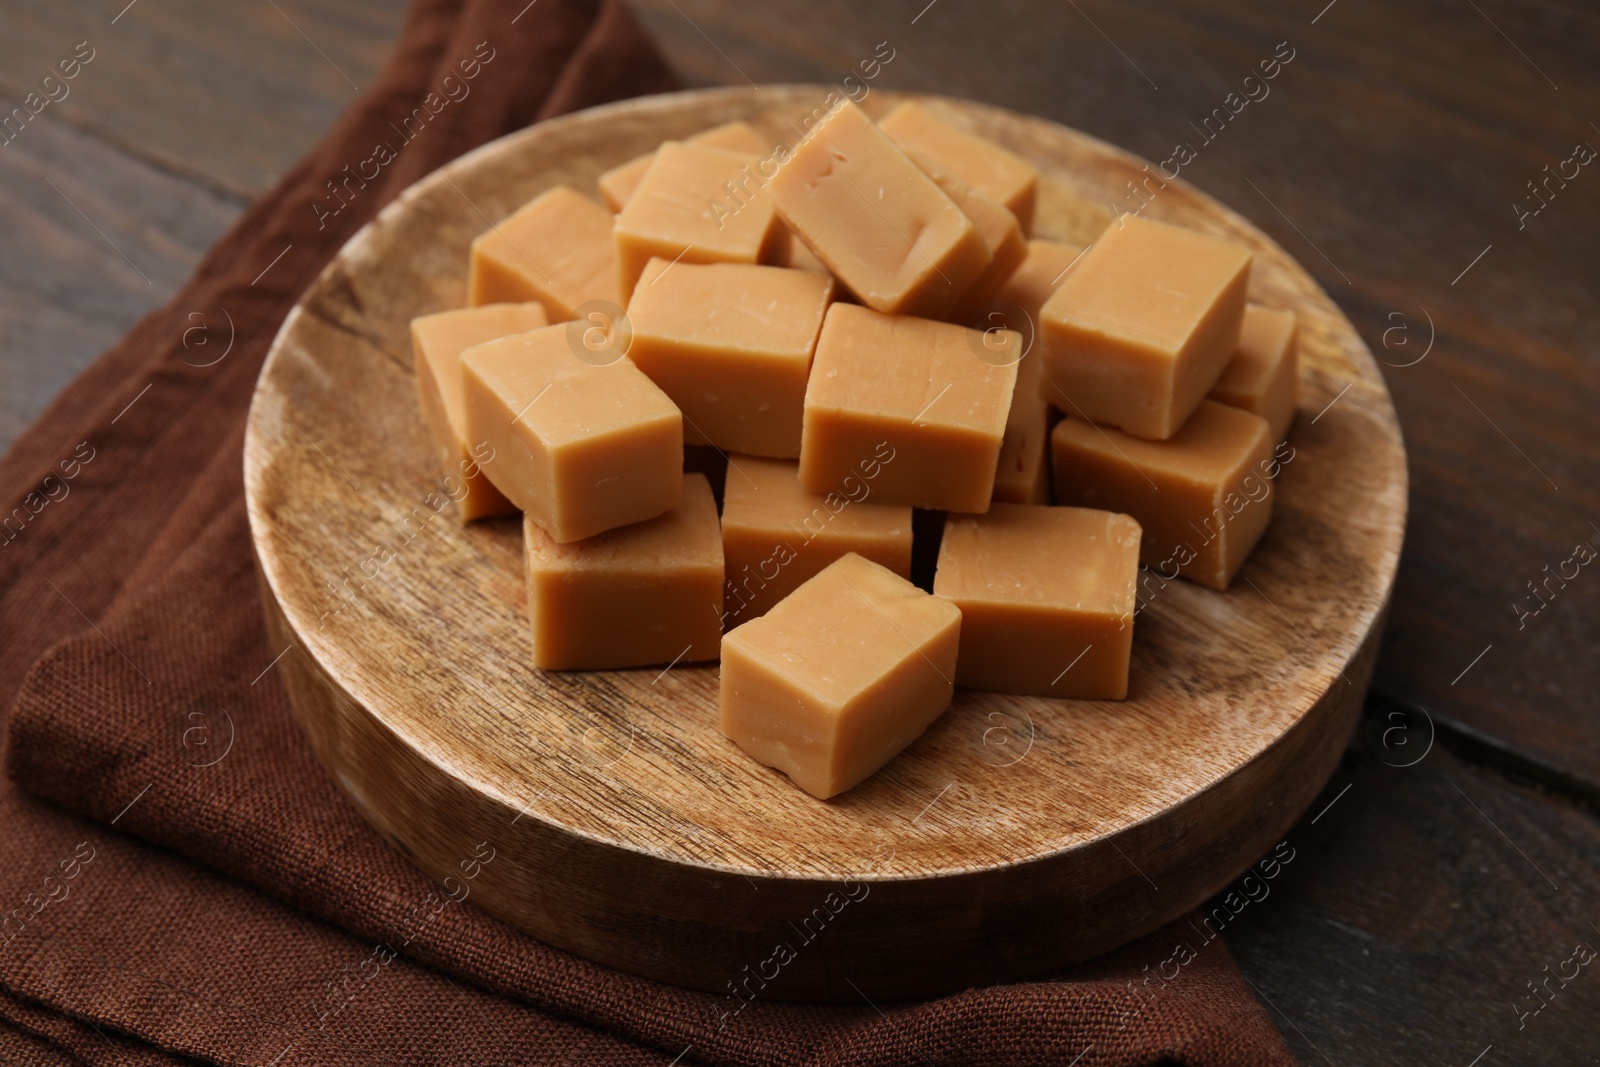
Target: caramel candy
[(792, 252), (1034, 281), (881, 225), (618, 183), (637, 595), (731, 345), (437, 342), (1264, 375), (776, 534), (928, 399), (736, 136), (696, 205), (556, 249), (617, 186), (982, 164), (1001, 233), (1047, 597), (1203, 496), (581, 448), (840, 676), (1143, 326), (1022, 475)]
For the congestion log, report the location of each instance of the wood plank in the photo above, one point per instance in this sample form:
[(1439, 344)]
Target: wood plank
[(227, 94), (1419, 905), (95, 240), (184, 112), (1386, 169)]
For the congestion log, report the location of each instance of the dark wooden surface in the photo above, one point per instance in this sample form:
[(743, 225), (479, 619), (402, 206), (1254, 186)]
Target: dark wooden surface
[(108, 197), (1387, 156)]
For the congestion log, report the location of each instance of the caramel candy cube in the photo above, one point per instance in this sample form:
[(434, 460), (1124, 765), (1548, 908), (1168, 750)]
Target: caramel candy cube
[(696, 205), (618, 183), (556, 249), (1035, 280), (792, 252), (1264, 374), (928, 399), (437, 342), (617, 186), (1001, 233), (731, 345), (882, 226), (630, 597), (1143, 326), (840, 676), (1203, 496), (582, 448), (1022, 475), (1047, 597), (982, 164), (776, 534), (737, 136)]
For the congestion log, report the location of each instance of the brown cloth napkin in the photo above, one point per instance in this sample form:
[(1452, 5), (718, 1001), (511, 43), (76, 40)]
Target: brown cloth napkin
[(207, 891)]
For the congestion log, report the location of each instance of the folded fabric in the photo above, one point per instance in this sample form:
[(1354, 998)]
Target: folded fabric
[(196, 885)]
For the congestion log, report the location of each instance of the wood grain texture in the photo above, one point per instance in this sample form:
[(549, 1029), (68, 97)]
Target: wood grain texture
[(1007, 841), (1420, 904), (291, 66), (94, 240), (185, 112)]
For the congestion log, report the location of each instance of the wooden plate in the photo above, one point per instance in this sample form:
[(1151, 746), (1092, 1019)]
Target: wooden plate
[(1017, 835)]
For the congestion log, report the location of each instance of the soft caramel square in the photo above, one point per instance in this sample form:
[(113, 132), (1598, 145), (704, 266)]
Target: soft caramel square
[(1001, 233), (840, 676), (437, 342), (1143, 326), (695, 204), (582, 448), (1035, 280), (979, 162), (792, 252), (1022, 475), (1203, 496), (1264, 375), (929, 399), (731, 344), (1047, 597), (634, 596), (556, 249), (618, 183), (878, 222), (776, 534)]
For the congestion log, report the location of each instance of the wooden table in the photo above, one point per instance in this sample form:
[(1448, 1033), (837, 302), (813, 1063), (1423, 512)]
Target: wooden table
[(1455, 855)]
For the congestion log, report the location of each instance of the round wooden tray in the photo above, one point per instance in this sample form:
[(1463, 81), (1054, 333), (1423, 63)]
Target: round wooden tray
[(1017, 835)]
